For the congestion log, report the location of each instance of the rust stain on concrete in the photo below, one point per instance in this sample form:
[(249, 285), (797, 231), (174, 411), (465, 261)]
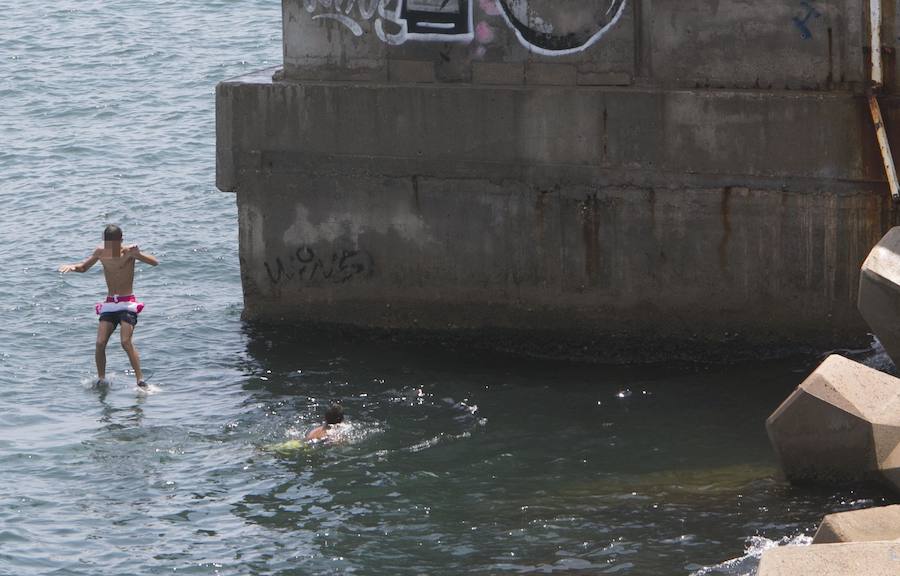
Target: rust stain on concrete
[(590, 229), (726, 228), (540, 205)]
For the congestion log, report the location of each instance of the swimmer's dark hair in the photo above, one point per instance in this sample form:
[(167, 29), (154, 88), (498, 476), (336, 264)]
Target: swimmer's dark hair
[(335, 414), (112, 232)]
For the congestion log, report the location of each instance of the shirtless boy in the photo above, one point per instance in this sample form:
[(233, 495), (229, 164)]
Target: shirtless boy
[(333, 417), (120, 307)]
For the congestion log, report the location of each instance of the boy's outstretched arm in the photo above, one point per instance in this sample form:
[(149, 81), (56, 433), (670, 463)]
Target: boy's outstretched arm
[(135, 251), (83, 266)]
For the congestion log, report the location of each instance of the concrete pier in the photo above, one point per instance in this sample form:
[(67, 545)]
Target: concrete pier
[(569, 178)]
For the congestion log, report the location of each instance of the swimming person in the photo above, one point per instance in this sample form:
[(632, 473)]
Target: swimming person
[(334, 416), (120, 306)]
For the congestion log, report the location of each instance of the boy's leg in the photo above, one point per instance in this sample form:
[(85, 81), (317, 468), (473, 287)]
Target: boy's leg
[(104, 331), (126, 331)]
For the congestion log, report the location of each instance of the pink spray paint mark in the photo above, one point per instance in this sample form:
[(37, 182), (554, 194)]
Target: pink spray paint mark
[(490, 7), (484, 33)]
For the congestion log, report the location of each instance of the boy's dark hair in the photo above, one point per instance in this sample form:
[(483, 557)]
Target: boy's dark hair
[(335, 414), (112, 232)]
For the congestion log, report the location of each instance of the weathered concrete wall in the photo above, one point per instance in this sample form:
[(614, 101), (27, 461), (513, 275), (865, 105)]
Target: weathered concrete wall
[(716, 43), (586, 170)]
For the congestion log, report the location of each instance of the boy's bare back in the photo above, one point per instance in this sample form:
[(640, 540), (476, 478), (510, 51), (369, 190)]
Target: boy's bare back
[(118, 269), (118, 266)]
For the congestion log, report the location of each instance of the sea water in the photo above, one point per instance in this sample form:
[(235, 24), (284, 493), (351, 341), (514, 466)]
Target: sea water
[(451, 463)]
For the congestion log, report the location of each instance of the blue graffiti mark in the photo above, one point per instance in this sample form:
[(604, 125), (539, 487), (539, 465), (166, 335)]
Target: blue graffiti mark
[(811, 12)]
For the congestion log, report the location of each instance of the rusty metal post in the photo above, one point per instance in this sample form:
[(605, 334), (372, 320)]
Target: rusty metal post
[(885, 147), (874, 108), (875, 29)]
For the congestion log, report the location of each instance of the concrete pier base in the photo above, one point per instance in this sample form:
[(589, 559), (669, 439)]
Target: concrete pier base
[(607, 178), (452, 209)]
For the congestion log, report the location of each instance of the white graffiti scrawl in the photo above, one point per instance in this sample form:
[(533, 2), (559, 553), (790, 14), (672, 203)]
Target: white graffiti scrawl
[(398, 21), (547, 27)]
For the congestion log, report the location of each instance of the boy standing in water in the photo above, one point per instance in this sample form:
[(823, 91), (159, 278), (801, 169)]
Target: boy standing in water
[(120, 307)]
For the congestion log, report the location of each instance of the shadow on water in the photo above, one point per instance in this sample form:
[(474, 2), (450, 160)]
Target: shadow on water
[(475, 463)]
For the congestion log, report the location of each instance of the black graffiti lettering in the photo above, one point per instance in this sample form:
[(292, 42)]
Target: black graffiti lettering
[(317, 267), (279, 273), (327, 274), (338, 266), (348, 270), (305, 256), (350, 265)]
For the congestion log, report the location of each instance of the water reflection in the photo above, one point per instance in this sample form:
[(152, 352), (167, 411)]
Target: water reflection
[(114, 418)]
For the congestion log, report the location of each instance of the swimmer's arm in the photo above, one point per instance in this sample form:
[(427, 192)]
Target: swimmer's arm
[(83, 266), (135, 252)]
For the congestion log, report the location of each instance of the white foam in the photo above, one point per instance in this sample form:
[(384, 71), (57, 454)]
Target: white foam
[(354, 432), (877, 358), (89, 383), (747, 564), (874, 356), (150, 390), (343, 433), (426, 444)]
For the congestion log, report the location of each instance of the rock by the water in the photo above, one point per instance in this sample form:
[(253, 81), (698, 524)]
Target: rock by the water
[(841, 425), (869, 524), (879, 292), (848, 559)]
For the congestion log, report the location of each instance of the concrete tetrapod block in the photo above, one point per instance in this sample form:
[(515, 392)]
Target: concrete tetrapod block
[(879, 292), (841, 425), (847, 559), (870, 524)]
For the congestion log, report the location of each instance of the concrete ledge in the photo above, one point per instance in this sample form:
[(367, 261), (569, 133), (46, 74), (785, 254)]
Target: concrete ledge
[(498, 73), (755, 134), (550, 73), (604, 78), (414, 71)]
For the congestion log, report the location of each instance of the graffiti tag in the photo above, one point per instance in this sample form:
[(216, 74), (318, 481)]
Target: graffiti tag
[(304, 265), (397, 21), (538, 36), (801, 23)]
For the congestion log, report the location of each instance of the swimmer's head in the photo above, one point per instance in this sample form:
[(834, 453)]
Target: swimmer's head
[(334, 415), (112, 233)]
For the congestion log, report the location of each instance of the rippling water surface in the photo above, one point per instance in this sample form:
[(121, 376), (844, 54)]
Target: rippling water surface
[(452, 464)]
